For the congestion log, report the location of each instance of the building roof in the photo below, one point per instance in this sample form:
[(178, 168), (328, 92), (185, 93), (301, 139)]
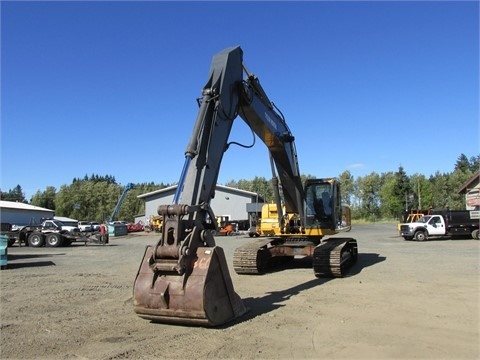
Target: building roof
[(219, 187), (470, 183), (21, 206), (64, 219)]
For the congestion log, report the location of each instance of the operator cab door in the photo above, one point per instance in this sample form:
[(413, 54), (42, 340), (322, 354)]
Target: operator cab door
[(436, 226), (322, 203)]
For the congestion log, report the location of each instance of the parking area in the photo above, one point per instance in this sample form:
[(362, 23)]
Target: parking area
[(402, 299)]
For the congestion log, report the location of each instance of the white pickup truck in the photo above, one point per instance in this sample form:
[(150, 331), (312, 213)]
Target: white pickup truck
[(441, 224), (58, 225), (84, 226)]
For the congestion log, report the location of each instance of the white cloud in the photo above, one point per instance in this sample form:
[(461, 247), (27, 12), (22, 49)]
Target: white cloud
[(356, 166)]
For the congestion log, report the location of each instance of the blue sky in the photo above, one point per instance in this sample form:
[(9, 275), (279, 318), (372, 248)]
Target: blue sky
[(110, 88)]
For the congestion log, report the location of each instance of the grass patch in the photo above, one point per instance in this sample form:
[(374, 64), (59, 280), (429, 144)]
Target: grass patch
[(377, 221)]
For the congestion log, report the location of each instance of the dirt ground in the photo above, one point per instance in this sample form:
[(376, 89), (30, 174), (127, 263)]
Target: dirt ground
[(402, 300)]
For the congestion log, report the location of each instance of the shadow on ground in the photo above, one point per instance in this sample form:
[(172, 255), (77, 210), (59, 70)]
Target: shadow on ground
[(11, 266), (14, 261), (273, 300)]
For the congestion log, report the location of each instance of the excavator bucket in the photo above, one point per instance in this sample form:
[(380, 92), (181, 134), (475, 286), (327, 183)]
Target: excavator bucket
[(203, 297)]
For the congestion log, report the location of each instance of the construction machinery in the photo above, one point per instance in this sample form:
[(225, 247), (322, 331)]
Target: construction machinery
[(184, 278), (227, 229), (156, 223), (126, 189), (270, 223), (299, 229), (411, 216)]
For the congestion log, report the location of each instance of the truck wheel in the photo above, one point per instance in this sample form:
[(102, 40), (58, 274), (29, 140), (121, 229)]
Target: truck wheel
[(36, 240), (476, 234), (54, 240), (420, 236)]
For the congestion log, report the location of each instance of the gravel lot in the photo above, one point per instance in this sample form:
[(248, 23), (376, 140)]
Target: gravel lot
[(402, 300)]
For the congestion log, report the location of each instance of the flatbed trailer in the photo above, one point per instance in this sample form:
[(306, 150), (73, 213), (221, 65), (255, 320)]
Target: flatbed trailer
[(36, 236)]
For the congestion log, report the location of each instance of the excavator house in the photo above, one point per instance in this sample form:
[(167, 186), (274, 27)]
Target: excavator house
[(184, 277)]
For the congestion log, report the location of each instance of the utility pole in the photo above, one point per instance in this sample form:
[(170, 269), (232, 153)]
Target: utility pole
[(419, 196)]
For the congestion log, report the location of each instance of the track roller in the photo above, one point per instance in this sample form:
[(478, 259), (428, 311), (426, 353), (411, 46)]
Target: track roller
[(334, 256)]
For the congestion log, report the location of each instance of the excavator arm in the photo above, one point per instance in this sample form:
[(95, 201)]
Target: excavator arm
[(226, 96), (184, 278)]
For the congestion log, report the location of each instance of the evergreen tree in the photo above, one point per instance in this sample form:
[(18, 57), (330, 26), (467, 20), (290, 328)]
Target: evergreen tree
[(45, 199), (475, 163), (441, 191), (462, 164), (16, 195), (403, 191)]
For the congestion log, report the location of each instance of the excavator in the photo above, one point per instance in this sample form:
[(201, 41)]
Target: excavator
[(184, 278)]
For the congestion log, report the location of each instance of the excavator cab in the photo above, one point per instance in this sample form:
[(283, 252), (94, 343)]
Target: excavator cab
[(323, 208)]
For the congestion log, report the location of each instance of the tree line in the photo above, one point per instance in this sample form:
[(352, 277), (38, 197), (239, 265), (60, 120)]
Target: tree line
[(91, 198), (371, 197), (388, 195)]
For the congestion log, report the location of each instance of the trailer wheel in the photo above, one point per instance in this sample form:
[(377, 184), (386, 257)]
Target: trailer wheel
[(420, 236), (54, 240), (476, 234), (36, 240)]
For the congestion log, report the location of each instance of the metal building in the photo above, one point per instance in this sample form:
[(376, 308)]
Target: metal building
[(21, 214), (229, 203)]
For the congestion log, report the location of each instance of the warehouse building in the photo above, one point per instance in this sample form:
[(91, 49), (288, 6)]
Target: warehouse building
[(21, 214), (229, 204)]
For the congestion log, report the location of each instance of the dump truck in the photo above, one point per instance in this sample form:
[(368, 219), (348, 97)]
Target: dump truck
[(441, 224)]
